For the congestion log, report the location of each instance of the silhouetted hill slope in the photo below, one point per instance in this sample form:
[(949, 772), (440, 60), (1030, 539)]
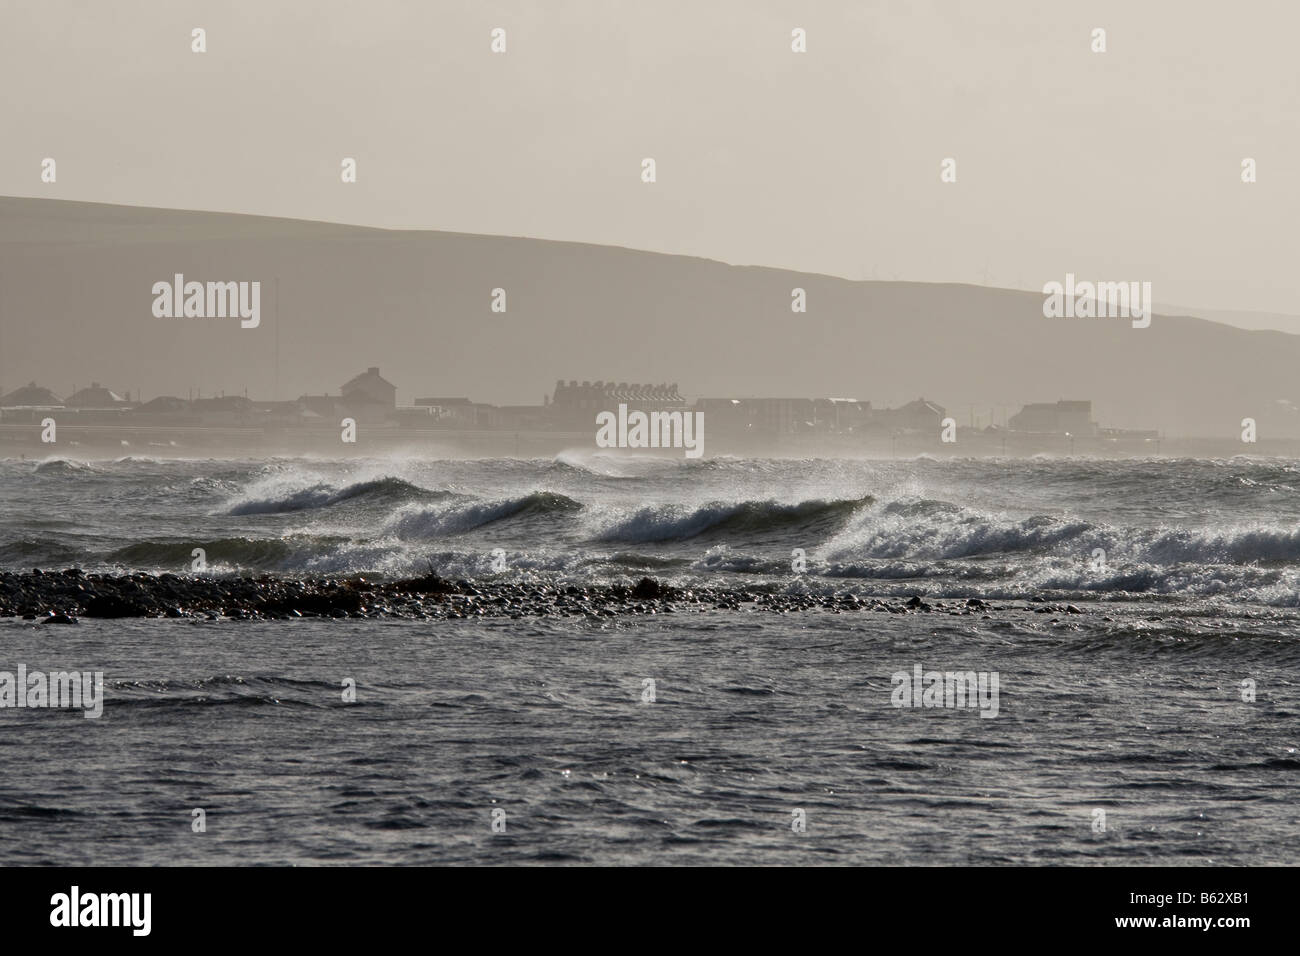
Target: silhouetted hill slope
[(75, 305)]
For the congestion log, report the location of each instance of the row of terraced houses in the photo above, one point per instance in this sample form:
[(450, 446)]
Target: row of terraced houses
[(573, 406)]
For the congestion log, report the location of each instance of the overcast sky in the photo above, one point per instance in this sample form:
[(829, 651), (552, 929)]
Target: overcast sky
[(1118, 166)]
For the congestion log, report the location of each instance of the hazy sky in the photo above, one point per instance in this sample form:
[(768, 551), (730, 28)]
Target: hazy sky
[(1119, 166)]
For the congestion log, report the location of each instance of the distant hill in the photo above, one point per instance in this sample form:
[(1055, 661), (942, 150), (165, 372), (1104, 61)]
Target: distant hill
[(1241, 318), (75, 306)]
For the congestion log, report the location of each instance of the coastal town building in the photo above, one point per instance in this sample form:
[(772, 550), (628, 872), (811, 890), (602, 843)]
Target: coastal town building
[(460, 412), (917, 416), (792, 416), (572, 408), (31, 395), (368, 397), (575, 405), (766, 416), (165, 410), (1055, 418), (96, 396), (370, 388), (227, 411)]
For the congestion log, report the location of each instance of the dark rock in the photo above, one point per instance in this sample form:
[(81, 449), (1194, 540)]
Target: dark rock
[(429, 584), (649, 589), (264, 597), (110, 605)]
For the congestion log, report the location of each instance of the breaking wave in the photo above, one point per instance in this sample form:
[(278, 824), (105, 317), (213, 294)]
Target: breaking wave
[(682, 522), (459, 517), (324, 495), (941, 531)]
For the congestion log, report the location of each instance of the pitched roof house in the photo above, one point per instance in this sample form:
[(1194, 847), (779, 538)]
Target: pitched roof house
[(370, 388), (31, 395)]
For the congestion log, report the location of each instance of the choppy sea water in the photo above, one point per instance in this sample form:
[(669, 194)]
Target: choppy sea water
[(1133, 707)]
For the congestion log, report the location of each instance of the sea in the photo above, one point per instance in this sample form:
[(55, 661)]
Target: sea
[(1141, 626)]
